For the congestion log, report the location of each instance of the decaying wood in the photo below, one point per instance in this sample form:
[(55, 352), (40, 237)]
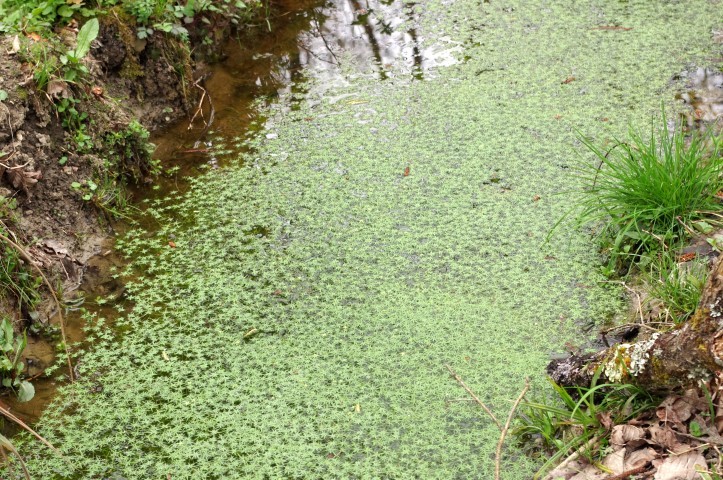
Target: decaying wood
[(664, 362)]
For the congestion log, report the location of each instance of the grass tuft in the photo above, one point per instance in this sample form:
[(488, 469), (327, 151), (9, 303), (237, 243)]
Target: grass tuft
[(649, 190)]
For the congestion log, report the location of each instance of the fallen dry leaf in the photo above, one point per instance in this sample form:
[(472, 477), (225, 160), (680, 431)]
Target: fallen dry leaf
[(568, 80), (666, 438), (55, 247), (622, 434), (686, 257), (22, 179), (58, 89), (680, 467), (639, 458), (615, 462), (590, 472), (674, 409)]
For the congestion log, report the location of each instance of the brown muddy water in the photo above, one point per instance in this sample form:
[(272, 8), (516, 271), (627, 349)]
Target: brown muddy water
[(306, 38)]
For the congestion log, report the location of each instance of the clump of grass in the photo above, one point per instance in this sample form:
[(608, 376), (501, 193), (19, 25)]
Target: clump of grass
[(650, 189)]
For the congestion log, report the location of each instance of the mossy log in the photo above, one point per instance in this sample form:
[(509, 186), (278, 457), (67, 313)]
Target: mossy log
[(664, 362)]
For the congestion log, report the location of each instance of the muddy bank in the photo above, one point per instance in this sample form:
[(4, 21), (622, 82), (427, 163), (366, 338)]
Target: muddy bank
[(76, 157)]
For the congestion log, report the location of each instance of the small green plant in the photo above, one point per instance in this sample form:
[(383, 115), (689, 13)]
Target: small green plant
[(73, 67), (75, 122), (132, 152), (708, 474), (107, 193), (37, 15), (558, 426), (11, 367), (648, 191)]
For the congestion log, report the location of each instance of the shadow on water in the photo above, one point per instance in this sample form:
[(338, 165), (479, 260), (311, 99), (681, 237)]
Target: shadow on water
[(308, 37)]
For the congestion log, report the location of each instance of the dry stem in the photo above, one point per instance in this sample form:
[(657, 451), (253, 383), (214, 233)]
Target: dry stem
[(9, 415), (484, 407), (626, 474), (29, 259), (503, 434), (574, 456)]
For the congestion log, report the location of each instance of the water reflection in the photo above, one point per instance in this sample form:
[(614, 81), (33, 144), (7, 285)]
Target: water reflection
[(705, 97), (374, 37), (379, 36)]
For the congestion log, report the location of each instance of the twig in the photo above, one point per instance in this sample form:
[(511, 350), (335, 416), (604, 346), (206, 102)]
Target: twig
[(640, 302), (199, 109), (16, 167), (6, 444), (321, 34), (574, 456), (628, 325), (627, 473), (6, 413), (658, 238), (686, 227), (29, 259), (484, 407), (195, 150), (503, 434)]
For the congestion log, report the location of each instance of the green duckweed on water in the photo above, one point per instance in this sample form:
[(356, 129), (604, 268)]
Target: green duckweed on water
[(301, 325)]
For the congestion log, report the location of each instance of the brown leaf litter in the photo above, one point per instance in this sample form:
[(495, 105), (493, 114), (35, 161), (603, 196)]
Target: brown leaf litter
[(677, 441)]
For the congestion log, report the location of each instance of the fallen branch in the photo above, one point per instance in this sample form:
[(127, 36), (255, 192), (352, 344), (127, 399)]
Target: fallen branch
[(484, 407), (29, 259), (503, 434)]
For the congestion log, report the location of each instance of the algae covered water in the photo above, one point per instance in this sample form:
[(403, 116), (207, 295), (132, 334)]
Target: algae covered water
[(294, 311)]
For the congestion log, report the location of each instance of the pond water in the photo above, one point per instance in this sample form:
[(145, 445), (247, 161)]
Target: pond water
[(382, 213)]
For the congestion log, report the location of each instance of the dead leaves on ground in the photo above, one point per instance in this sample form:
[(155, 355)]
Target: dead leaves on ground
[(20, 178), (676, 441)]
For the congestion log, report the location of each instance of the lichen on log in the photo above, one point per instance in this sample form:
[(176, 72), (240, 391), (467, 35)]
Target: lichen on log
[(663, 362)]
